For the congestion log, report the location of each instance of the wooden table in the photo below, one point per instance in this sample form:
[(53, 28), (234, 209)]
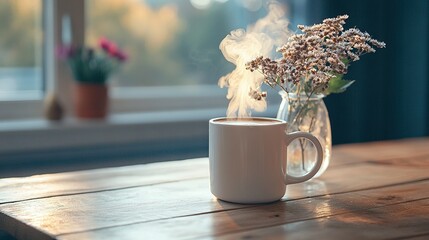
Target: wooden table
[(371, 191)]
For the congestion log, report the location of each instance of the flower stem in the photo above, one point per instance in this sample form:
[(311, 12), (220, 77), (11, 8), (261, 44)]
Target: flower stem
[(297, 116), (301, 143), (301, 108)]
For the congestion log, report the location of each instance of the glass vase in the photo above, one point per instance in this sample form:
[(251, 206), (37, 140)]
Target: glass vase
[(306, 114)]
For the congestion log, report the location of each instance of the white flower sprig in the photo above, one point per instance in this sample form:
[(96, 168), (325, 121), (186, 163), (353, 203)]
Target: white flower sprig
[(315, 61)]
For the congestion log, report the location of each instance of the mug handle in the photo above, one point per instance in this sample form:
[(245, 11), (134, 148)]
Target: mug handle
[(288, 179)]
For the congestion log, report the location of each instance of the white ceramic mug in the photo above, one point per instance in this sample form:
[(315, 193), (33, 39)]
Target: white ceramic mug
[(248, 159)]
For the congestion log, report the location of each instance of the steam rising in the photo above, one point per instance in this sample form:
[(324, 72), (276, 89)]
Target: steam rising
[(242, 46)]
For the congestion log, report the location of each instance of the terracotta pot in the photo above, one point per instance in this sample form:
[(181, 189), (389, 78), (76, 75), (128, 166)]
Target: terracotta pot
[(90, 100)]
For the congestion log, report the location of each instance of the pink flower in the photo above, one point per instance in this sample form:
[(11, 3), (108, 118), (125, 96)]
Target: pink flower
[(111, 49), (105, 44), (120, 55)]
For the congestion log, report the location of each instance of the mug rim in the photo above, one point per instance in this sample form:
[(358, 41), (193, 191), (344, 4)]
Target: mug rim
[(221, 121)]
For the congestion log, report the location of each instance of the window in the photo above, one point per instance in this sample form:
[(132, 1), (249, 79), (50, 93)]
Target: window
[(173, 47), (171, 42), (170, 79), (20, 50)]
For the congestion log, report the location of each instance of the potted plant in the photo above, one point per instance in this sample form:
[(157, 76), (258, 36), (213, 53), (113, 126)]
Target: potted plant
[(91, 69)]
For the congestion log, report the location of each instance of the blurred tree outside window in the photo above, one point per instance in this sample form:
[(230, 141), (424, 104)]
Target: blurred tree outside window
[(20, 49), (170, 42)]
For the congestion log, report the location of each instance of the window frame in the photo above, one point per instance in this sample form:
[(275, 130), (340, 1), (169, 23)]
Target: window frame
[(122, 99), (135, 109)]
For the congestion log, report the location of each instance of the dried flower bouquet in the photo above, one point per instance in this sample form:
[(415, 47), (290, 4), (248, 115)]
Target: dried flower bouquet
[(312, 65), (315, 61)]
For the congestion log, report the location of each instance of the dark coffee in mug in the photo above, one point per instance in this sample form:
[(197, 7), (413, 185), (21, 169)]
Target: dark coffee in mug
[(248, 121)]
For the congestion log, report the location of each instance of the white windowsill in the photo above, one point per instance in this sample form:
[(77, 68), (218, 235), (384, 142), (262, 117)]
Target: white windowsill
[(130, 99), (39, 134)]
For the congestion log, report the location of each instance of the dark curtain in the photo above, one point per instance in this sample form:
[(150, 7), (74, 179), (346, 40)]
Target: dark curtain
[(390, 98)]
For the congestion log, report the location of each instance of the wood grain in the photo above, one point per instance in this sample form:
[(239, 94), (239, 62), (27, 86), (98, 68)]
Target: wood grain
[(150, 203), (150, 199), (413, 153), (48, 185), (387, 222), (57, 184), (385, 150), (424, 236), (257, 217)]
